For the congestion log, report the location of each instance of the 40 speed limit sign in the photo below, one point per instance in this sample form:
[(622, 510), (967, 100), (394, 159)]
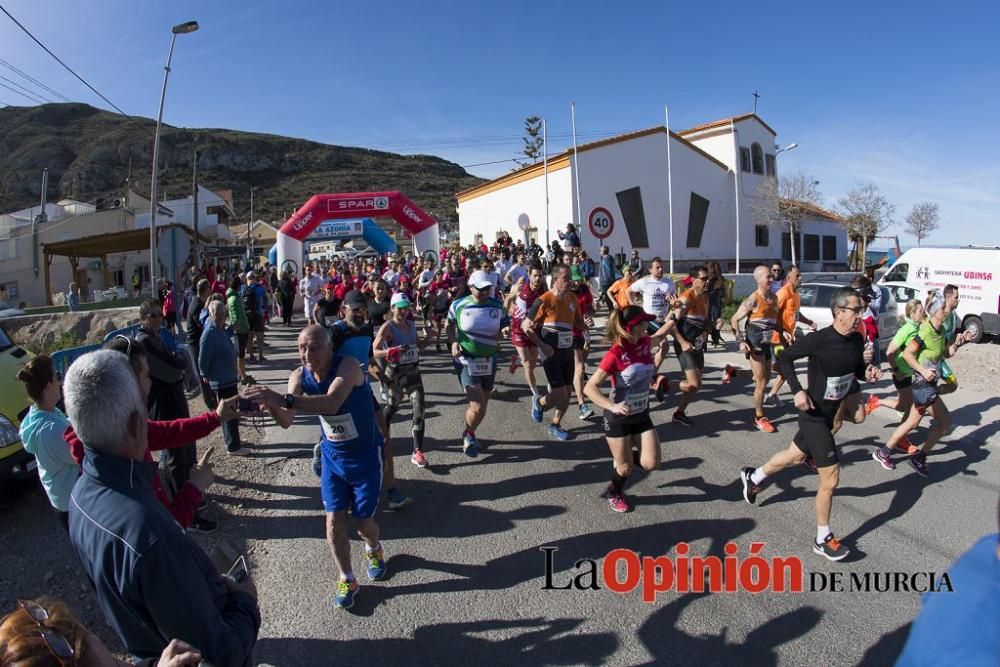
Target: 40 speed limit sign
[(601, 223)]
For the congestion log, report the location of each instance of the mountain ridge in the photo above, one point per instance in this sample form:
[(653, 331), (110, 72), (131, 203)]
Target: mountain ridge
[(87, 152)]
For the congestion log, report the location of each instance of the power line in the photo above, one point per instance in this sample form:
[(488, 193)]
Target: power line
[(33, 80), (25, 95), (15, 83), (67, 67), (481, 164)]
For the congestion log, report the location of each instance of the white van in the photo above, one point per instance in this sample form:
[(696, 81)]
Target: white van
[(976, 272)]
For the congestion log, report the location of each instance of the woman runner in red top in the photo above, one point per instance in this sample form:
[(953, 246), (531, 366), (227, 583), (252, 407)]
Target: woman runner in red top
[(519, 300), (581, 341), (627, 425)]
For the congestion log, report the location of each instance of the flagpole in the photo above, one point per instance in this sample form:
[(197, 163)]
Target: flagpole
[(670, 189), (545, 171), (576, 176), (736, 188)]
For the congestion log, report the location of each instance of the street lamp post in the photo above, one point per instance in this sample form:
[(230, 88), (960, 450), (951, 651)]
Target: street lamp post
[(179, 29)]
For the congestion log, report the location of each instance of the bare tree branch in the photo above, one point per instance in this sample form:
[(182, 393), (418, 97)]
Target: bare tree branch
[(786, 202), (922, 220), (866, 213)]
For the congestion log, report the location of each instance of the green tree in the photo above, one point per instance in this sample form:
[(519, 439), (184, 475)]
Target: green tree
[(533, 140)]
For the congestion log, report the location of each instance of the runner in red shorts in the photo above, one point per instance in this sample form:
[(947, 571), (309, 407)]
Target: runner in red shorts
[(518, 302)]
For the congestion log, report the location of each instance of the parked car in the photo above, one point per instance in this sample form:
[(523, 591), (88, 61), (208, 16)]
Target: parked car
[(7, 310), (15, 463), (815, 304), (974, 270), (904, 293)]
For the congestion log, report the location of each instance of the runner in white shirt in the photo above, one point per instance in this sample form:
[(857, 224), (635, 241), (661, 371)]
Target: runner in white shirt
[(311, 288), (658, 297), (518, 271)]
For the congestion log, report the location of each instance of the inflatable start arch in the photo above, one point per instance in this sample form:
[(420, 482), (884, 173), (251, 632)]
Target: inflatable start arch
[(321, 208)]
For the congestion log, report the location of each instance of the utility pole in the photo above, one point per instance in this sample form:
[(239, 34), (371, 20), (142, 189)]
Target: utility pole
[(39, 219), (194, 192), (250, 256)]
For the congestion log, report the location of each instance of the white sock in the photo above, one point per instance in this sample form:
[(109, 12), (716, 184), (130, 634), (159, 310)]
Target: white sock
[(347, 576), (821, 533), (369, 549), (758, 476)]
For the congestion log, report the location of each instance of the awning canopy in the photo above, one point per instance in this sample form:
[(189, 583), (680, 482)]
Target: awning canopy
[(100, 245)]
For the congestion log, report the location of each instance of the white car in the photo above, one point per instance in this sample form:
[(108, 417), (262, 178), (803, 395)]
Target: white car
[(815, 305), (903, 293), (7, 310)]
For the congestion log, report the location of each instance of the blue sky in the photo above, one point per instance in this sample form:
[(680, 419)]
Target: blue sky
[(901, 94)]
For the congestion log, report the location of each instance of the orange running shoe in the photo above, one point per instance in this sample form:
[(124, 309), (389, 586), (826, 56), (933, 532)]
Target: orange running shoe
[(727, 375), (764, 424), (872, 404)]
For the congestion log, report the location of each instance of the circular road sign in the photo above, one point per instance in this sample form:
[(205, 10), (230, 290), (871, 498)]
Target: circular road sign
[(524, 222), (601, 223)]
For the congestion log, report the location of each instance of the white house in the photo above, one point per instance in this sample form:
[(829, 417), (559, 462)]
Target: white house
[(715, 174)]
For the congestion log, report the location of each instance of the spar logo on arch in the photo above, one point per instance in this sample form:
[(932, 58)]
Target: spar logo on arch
[(379, 203)]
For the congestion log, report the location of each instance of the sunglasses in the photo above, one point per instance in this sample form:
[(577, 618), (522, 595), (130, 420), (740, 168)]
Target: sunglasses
[(128, 350), (55, 641), (853, 310)]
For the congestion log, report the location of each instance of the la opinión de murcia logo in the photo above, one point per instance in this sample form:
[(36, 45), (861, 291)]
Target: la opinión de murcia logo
[(623, 571)]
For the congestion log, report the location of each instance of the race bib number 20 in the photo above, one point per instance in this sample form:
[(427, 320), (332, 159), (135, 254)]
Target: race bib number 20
[(340, 428)]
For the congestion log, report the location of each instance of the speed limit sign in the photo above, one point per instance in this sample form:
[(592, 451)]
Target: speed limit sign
[(601, 223)]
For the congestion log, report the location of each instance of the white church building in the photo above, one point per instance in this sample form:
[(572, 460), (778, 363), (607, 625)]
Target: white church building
[(716, 171)]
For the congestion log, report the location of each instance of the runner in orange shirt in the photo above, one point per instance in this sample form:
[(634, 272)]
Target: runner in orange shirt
[(789, 303)]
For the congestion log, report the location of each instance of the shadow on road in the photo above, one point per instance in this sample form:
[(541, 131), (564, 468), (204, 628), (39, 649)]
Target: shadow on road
[(530, 641)]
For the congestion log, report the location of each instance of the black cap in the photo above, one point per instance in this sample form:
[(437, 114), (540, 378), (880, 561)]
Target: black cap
[(355, 299)]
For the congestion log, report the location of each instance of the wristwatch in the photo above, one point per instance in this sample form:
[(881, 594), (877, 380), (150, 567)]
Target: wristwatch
[(289, 401)]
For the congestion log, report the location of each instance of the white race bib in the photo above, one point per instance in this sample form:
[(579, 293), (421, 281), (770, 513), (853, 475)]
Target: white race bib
[(565, 339), (480, 366), (340, 428), (637, 403), (409, 356), (329, 320), (837, 387)]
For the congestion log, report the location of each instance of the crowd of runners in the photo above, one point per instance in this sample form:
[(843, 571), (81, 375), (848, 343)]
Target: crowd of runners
[(371, 324)]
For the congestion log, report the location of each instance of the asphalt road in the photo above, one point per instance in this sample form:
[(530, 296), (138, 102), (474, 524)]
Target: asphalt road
[(467, 574), (466, 570)]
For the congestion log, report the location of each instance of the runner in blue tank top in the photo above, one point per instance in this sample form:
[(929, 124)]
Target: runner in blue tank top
[(333, 388)]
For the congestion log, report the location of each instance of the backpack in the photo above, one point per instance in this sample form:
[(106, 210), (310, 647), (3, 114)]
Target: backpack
[(249, 296)]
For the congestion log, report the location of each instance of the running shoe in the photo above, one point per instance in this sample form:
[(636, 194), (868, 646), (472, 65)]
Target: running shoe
[(727, 375), (585, 411), (558, 432), (750, 490), (886, 461), (469, 445), (203, 525), (242, 451), (376, 564), (344, 594), (636, 456), (317, 462), (202, 504), (536, 408), (872, 404), (919, 463), (682, 418), (772, 400), (396, 499), (662, 387), (418, 459), (618, 502), (513, 363), (831, 548), (764, 424), (905, 444)]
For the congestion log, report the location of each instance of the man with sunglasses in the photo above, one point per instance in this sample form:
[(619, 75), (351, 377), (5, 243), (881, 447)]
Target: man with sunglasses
[(837, 360), (475, 323)]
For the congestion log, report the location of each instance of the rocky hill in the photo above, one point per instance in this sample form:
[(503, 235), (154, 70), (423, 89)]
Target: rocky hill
[(87, 152)]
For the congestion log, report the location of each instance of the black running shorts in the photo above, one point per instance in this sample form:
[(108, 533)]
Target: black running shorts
[(901, 382), (690, 361), (815, 439), (559, 369), (621, 427)]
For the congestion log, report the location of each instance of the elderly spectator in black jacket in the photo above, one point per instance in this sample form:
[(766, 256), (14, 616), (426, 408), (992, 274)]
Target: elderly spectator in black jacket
[(152, 581)]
